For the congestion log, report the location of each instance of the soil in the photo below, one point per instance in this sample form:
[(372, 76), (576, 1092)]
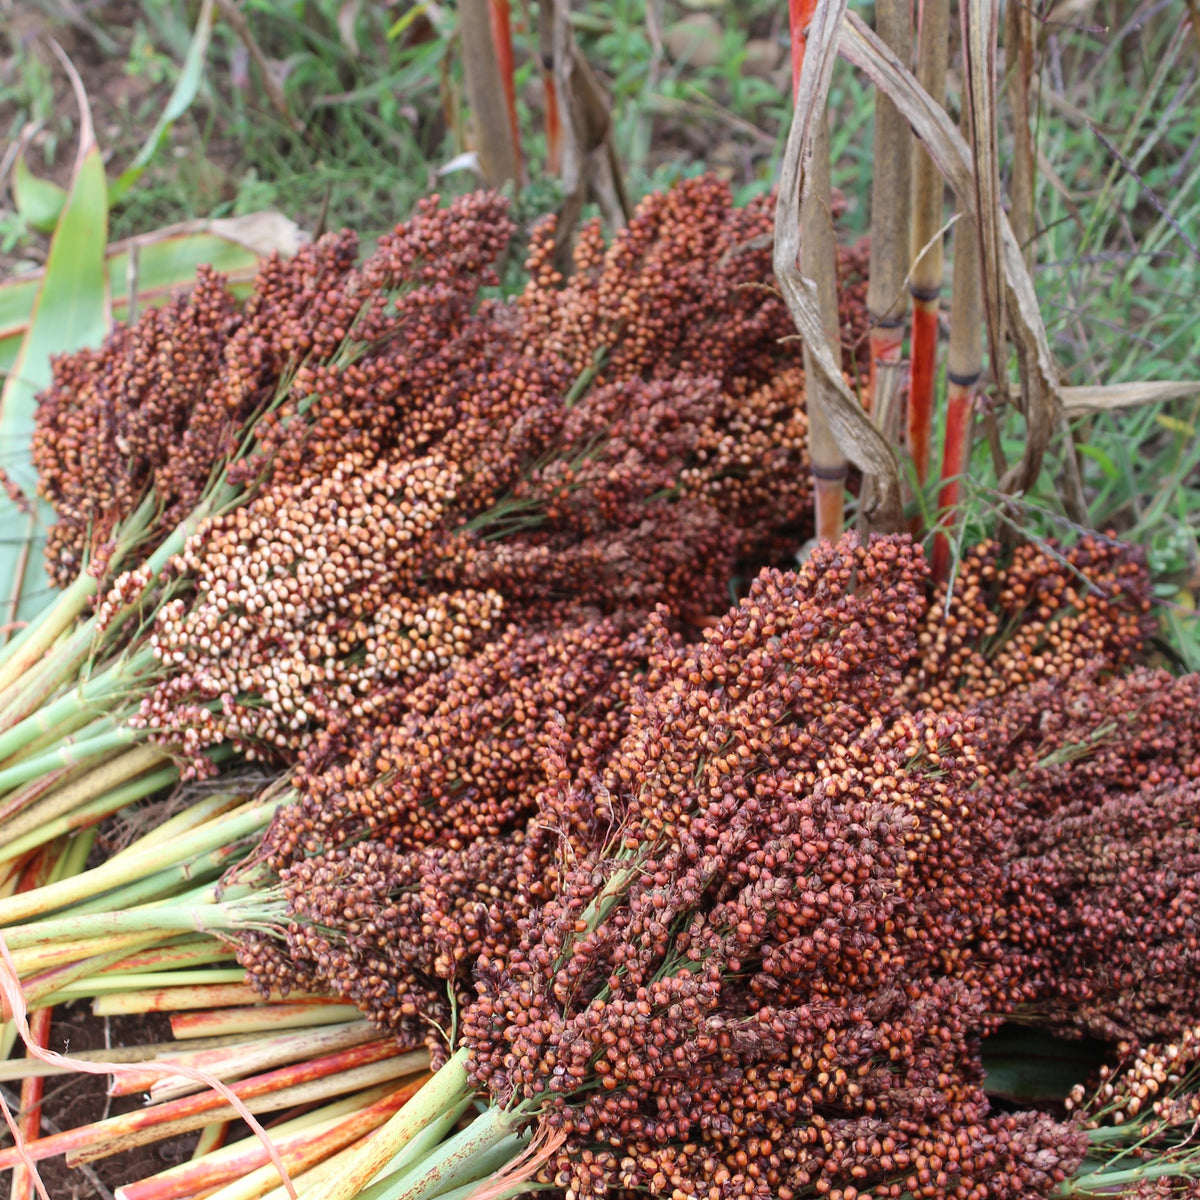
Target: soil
[(72, 1101)]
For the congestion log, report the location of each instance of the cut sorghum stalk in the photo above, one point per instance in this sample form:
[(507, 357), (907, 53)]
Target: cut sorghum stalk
[(260, 1018), (300, 1142), (219, 833), (331, 1075), (245, 1058)]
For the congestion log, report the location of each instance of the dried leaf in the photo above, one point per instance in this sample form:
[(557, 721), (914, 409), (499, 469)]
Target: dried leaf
[(1039, 381), (857, 437), (1080, 400)]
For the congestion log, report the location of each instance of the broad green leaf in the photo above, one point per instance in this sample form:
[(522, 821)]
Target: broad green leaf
[(186, 88), (39, 201), (70, 310)]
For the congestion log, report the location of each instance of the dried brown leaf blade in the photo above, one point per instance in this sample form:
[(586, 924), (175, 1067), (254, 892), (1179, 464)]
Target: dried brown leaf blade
[(1078, 401), (857, 437), (946, 146)]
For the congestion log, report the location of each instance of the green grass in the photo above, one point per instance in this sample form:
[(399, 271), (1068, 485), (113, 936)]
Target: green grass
[(379, 96)]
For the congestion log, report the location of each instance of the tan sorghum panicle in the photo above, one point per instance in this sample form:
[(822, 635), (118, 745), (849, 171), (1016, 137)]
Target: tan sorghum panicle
[(306, 602)]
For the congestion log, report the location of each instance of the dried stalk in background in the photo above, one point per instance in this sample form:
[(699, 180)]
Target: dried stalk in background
[(979, 35), (590, 166), (1018, 61), (1040, 396), (494, 133), (818, 249), (925, 282), (818, 244), (886, 299), (855, 436)]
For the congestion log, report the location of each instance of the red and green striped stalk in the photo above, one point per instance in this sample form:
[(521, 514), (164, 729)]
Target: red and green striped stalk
[(925, 281), (301, 1143), (40, 869), (963, 370), (320, 1078)]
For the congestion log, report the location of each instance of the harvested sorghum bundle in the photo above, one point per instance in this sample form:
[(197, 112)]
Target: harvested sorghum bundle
[(759, 979), (317, 595), (327, 359), (414, 460), (421, 816), (164, 403), (1099, 778)]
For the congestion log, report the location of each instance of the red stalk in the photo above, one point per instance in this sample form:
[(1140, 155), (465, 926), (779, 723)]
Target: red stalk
[(299, 1151), (800, 13), (198, 1106), (500, 15), (243, 1058), (954, 464), (920, 393), (553, 123), (29, 1121)]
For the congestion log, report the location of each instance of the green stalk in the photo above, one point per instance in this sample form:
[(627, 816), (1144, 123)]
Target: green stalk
[(32, 642), (28, 646), (206, 809), (31, 669), (102, 983), (60, 664), (74, 858), (1103, 1182), (446, 1090), (487, 1145), (129, 868), (162, 884), (149, 918), (101, 739), (59, 812), (95, 692), (426, 1141)]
